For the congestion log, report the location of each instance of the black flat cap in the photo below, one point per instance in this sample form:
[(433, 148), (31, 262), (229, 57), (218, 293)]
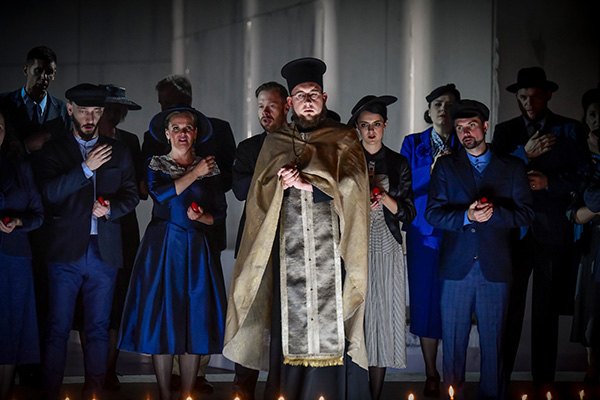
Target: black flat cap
[(450, 88), (307, 69), (158, 126), (366, 101), (532, 77), (87, 95), (117, 95), (469, 108)]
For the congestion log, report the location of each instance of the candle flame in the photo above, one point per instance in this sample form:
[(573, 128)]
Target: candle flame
[(524, 397), (451, 392), (581, 394), (281, 398), (237, 398), (411, 397), (321, 398), (549, 396), (189, 398)]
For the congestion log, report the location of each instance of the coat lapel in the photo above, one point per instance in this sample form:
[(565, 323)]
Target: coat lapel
[(465, 171)]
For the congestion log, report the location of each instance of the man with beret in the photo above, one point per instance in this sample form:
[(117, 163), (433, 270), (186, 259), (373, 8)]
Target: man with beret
[(555, 151), (35, 114), (476, 196), (87, 183), (296, 305)]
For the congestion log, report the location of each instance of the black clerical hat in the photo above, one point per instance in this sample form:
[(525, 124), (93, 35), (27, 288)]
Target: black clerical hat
[(469, 108), (307, 69), (368, 100), (158, 125), (532, 77), (87, 95), (116, 94)]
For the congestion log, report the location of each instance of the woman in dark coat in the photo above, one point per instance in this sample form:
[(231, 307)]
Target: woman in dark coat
[(20, 212), (391, 203)]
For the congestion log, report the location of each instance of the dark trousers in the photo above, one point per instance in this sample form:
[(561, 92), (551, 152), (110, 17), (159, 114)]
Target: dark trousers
[(547, 262), (244, 382), (488, 300), (96, 281)]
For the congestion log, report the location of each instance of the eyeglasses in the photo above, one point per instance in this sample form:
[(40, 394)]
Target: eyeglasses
[(313, 96)]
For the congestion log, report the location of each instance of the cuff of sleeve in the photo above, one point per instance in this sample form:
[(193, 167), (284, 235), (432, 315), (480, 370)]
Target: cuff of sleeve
[(466, 219), (87, 172)]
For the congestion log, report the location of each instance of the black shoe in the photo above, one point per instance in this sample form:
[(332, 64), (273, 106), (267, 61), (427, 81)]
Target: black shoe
[(111, 382), (203, 386), (432, 386)]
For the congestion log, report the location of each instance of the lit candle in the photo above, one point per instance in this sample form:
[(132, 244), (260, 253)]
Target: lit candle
[(411, 397), (67, 398), (237, 398), (524, 397), (581, 394), (549, 395), (189, 398), (451, 392), (321, 398), (281, 398)]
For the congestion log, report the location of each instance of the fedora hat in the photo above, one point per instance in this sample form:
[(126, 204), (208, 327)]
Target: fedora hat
[(532, 77), (116, 94)]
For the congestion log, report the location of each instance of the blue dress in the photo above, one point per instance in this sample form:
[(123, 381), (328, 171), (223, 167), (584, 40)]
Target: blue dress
[(422, 242), (176, 301), (18, 321)]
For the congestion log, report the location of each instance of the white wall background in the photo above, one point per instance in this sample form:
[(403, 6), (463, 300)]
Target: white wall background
[(229, 47)]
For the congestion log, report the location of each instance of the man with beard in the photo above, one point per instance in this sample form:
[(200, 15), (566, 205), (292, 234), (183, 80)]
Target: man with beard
[(476, 197), (272, 108), (35, 114), (296, 305), (87, 183), (555, 151)]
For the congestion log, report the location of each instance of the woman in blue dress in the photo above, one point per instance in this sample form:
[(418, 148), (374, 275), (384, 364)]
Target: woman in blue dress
[(176, 300), (422, 240), (20, 212)]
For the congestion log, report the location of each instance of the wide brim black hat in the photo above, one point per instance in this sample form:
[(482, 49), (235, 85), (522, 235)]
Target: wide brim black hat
[(117, 95), (591, 96), (203, 125), (366, 101), (469, 108), (87, 95), (301, 70), (532, 77)]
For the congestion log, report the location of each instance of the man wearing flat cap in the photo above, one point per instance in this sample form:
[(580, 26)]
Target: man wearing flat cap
[(555, 151), (476, 196), (297, 296), (87, 183)]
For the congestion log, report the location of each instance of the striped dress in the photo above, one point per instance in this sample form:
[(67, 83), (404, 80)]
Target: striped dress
[(385, 312)]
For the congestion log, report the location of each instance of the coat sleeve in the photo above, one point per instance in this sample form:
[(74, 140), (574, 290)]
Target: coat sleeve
[(440, 213), (403, 194), (126, 197), (34, 215), (243, 170), (57, 184)]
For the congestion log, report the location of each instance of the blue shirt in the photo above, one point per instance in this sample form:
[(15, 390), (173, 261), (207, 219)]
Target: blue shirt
[(31, 105), (85, 146), (480, 163)]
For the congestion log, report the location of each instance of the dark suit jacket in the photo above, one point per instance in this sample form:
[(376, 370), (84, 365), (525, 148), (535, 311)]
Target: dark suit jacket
[(564, 166), (452, 189), (56, 119), (69, 196), (243, 170)]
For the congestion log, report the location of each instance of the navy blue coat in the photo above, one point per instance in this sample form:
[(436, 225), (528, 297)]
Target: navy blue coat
[(69, 197), (452, 189)]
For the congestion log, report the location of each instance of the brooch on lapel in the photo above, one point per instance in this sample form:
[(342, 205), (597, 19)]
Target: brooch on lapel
[(423, 151)]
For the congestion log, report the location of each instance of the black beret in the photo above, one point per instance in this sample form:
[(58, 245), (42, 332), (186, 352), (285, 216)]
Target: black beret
[(366, 101), (469, 108), (87, 95), (532, 77), (307, 69), (203, 125), (591, 96), (437, 92)]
